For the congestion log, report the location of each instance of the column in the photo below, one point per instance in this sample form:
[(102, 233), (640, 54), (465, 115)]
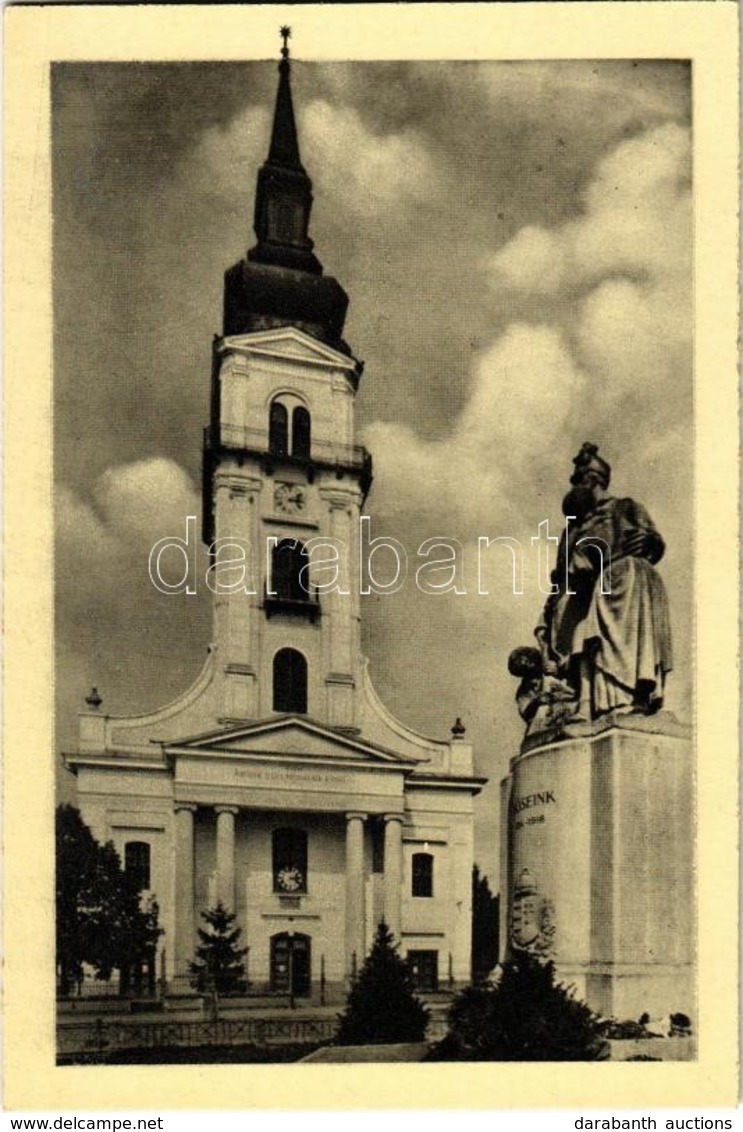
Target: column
[(393, 873), (341, 605), (226, 855), (354, 890), (235, 613), (340, 609), (184, 895)]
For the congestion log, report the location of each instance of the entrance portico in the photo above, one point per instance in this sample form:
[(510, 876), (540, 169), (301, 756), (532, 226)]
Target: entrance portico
[(227, 783), (299, 829)]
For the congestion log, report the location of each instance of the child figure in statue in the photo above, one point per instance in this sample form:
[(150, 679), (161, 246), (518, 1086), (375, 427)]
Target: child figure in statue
[(545, 702)]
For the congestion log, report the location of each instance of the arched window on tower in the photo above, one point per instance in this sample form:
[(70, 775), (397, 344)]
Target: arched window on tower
[(422, 874), (301, 433), (289, 428), (289, 590), (137, 863), (288, 582), (278, 429), (289, 681)]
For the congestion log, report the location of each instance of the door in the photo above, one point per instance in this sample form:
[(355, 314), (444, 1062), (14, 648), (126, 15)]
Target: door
[(424, 967), (291, 964)]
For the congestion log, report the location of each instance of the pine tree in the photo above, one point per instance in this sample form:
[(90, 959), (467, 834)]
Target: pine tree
[(525, 1016), (484, 927), (218, 967), (381, 1006)]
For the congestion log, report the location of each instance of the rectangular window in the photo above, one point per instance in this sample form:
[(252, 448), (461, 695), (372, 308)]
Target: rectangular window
[(137, 863), (289, 861), (422, 874)]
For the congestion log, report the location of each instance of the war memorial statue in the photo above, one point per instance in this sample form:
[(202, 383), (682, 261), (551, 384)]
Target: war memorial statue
[(604, 636), (596, 860)]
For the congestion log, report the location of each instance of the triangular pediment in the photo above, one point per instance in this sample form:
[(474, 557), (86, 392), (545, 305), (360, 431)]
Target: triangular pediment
[(288, 342), (292, 737)]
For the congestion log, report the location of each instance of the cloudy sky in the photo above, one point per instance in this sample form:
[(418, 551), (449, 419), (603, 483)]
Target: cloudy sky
[(516, 242)]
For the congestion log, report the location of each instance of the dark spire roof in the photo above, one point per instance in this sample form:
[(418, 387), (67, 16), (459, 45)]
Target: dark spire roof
[(283, 199), (281, 281), (284, 144)]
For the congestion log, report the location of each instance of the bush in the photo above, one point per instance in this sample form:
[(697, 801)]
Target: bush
[(524, 1016), (381, 1006)]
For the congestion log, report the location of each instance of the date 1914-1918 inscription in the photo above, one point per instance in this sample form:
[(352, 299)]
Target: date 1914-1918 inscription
[(527, 801)]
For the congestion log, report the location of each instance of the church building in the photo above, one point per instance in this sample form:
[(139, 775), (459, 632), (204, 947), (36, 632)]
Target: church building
[(278, 783)]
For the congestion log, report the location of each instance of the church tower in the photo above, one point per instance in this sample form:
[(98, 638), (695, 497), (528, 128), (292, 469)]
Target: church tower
[(278, 783), (283, 477)]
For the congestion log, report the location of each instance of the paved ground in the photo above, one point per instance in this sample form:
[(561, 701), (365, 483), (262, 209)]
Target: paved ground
[(412, 1051), (659, 1049)]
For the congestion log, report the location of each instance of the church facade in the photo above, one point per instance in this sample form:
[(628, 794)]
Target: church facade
[(278, 783)]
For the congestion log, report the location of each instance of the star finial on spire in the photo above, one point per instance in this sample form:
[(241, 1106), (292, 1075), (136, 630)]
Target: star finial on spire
[(286, 33)]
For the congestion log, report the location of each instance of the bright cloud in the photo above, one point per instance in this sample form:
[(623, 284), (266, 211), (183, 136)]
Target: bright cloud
[(368, 172), (147, 500), (117, 613), (226, 157), (611, 364), (636, 221), (523, 386), (534, 260), (135, 505)]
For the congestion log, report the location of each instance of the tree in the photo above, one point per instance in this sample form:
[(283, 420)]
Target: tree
[(99, 920), (80, 894), (138, 948), (218, 966), (524, 1016), (381, 1005), (484, 927)]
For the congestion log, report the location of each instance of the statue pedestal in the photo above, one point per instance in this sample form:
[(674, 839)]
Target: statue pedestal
[(597, 864)]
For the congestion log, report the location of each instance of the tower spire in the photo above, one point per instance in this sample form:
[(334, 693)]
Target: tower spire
[(284, 148), (281, 282), (284, 195)]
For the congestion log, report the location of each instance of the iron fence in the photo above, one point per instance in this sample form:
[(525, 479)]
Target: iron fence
[(102, 1036)]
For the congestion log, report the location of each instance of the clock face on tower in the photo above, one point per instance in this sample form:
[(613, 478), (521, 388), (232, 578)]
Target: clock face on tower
[(289, 498), (289, 879)]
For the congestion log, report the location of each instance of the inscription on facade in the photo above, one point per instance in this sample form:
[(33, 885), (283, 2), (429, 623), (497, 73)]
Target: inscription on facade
[(526, 801), (316, 778)]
